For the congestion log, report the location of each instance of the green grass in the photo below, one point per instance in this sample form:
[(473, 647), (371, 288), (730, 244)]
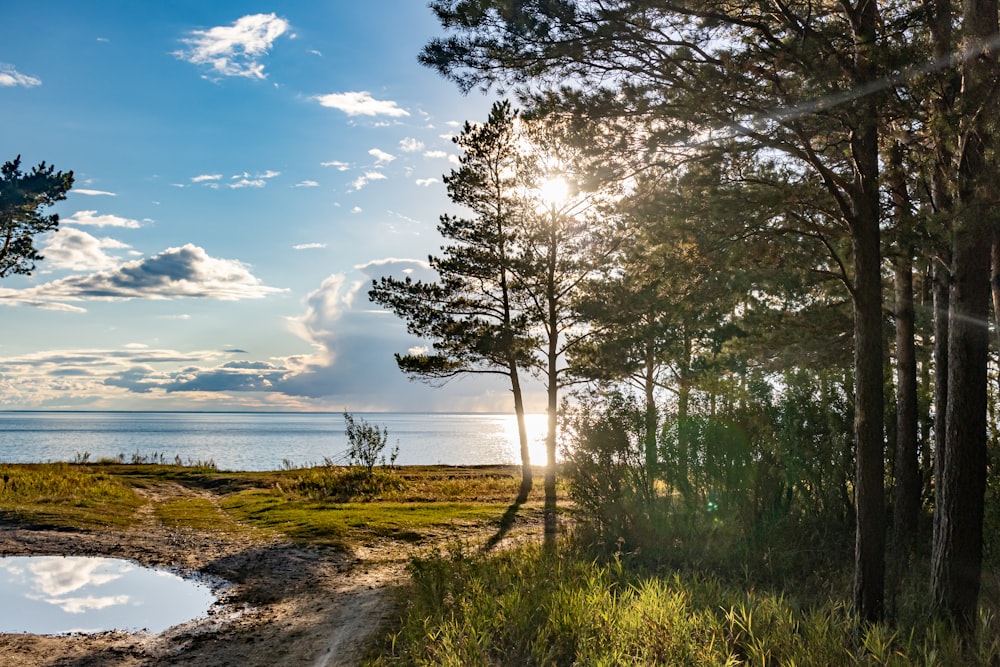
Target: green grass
[(59, 495), (346, 524), (532, 606), (196, 514)]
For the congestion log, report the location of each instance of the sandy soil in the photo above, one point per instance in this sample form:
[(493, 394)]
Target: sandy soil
[(280, 603)]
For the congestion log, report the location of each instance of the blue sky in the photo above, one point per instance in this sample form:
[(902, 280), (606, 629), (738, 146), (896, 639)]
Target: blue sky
[(243, 170)]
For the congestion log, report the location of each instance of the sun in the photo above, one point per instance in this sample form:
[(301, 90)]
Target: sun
[(554, 191)]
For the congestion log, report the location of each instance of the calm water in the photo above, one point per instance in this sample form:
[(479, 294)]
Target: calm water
[(260, 441), (54, 595)]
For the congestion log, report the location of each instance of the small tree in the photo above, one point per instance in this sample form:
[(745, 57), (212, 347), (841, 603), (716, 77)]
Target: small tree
[(22, 195), (367, 442), (472, 313)]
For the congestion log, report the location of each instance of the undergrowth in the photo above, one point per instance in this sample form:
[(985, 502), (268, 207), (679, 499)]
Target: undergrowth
[(536, 606)]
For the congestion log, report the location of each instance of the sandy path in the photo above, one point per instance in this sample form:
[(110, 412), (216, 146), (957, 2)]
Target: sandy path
[(280, 603)]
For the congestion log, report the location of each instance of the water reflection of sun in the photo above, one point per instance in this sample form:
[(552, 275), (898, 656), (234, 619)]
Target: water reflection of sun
[(536, 425)]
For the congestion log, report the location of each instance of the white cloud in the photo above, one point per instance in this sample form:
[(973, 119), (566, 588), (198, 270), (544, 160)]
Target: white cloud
[(362, 181), (234, 50), (11, 77), (244, 180), (307, 184), (435, 154), (425, 182), (77, 250), (91, 218), (381, 156), (356, 210), (308, 246), (185, 272), (411, 145), (203, 178), (361, 103), (84, 604), (92, 193), (248, 183), (59, 576), (341, 166)]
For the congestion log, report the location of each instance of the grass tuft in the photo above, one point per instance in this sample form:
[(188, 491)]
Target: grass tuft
[(59, 495)]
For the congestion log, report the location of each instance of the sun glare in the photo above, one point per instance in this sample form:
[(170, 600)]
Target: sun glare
[(555, 190)]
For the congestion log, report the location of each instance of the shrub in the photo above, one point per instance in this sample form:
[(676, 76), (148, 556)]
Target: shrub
[(605, 469), (367, 443)]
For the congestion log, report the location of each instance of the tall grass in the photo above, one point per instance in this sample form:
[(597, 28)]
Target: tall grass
[(531, 606), (62, 495)]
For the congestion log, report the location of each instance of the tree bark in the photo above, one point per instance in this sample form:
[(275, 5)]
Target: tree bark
[(869, 492), (522, 435), (956, 566), (906, 490), (906, 493), (651, 416)]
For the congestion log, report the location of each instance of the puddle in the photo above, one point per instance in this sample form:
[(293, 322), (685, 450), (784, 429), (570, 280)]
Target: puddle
[(54, 595)]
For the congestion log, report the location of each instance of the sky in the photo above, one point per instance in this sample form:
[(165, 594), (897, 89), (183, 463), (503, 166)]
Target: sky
[(243, 171)]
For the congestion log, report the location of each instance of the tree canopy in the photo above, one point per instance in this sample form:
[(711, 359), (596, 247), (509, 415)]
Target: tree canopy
[(22, 198)]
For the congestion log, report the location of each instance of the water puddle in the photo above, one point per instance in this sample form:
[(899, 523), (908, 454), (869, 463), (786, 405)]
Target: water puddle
[(54, 595)]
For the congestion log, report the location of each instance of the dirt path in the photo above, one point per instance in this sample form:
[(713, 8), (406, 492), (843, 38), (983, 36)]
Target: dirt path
[(280, 603)]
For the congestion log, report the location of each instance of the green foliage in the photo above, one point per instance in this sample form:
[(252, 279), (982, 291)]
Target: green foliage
[(22, 196), (344, 484), (61, 495), (604, 468), (534, 606), (367, 443)]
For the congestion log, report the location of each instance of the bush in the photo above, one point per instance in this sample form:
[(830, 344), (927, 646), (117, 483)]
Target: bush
[(367, 442), (605, 468)]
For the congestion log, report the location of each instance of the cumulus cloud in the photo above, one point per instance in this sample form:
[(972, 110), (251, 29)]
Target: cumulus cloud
[(362, 181), (307, 184), (361, 103), (77, 250), (59, 576), (206, 178), (91, 218), (381, 156), (10, 77), (435, 154), (341, 166), (235, 50), (411, 145), (425, 182), (185, 272), (308, 246)]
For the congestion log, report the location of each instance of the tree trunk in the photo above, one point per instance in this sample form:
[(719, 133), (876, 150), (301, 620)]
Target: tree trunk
[(869, 491), (651, 417), (956, 566), (906, 492), (522, 435), (552, 353)]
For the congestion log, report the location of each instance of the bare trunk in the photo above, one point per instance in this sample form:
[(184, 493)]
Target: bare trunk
[(552, 353), (869, 491), (522, 435), (956, 567), (651, 417), (906, 492)]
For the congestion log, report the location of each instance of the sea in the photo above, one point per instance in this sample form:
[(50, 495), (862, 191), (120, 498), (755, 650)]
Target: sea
[(254, 441)]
